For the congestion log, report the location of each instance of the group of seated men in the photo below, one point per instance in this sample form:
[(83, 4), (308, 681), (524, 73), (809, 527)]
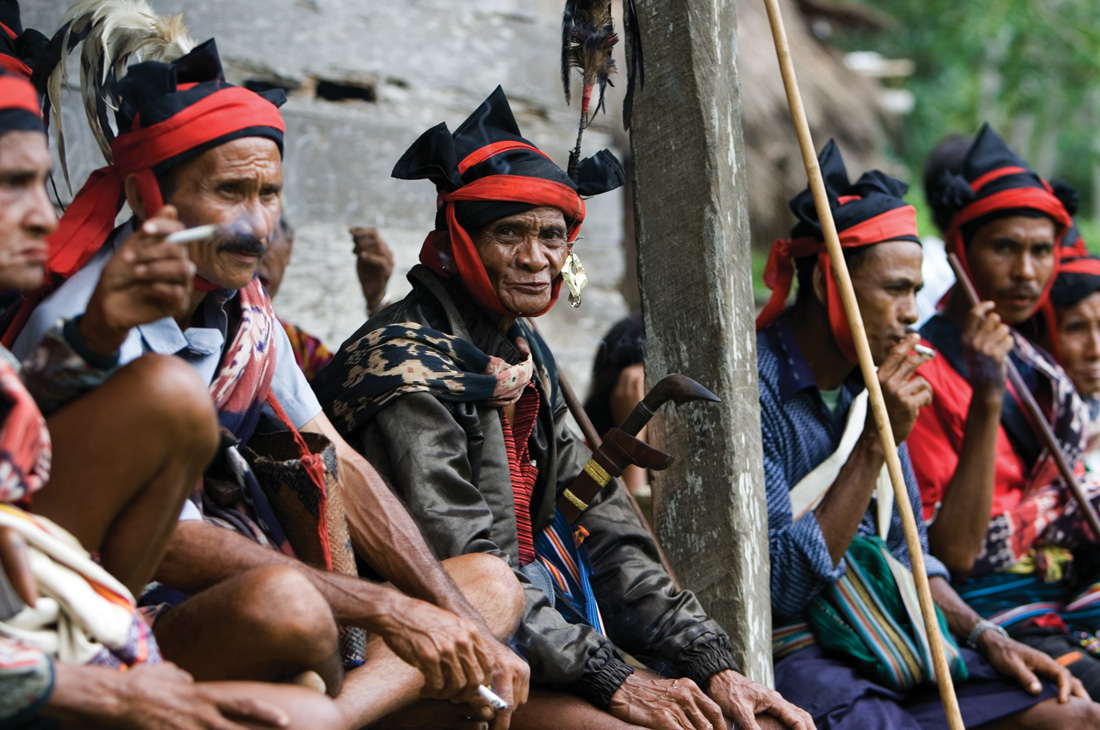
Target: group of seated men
[(153, 579)]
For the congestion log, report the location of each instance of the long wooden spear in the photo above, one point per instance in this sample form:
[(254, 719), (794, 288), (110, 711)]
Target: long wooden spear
[(867, 366)]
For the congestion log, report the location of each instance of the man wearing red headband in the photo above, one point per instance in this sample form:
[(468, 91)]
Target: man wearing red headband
[(91, 474), (456, 400), (213, 151), (998, 515), (830, 508)]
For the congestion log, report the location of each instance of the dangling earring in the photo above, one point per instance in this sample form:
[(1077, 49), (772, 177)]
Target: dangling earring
[(572, 273)]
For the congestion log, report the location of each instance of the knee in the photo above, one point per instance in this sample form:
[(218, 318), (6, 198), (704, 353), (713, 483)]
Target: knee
[(282, 606), (491, 587), (178, 399)]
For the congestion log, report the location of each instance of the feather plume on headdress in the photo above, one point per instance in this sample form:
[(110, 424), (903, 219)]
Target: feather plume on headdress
[(113, 33), (587, 37)]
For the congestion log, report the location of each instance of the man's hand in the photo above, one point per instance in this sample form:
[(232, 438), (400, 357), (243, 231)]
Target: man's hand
[(511, 682), (448, 650), (665, 704), (904, 392), (742, 700), (154, 697), (1026, 665), (373, 265), (986, 342), (16, 565), (146, 280)]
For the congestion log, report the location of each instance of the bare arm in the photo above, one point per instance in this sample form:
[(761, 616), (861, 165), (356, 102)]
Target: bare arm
[(958, 532), (841, 510)]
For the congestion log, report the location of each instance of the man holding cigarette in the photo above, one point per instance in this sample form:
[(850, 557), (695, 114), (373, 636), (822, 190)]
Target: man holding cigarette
[(213, 151), (999, 515), (832, 529)]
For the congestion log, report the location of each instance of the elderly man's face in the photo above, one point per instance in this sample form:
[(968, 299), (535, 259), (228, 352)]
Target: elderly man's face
[(1079, 343), (886, 282), (1011, 260), (238, 185), (522, 254), (26, 214)]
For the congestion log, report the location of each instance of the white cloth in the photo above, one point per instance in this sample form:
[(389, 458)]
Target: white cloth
[(813, 487)]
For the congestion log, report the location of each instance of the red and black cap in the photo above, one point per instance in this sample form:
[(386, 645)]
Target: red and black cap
[(19, 109), (486, 170), (996, 183), (167, 114), (867, 212), (19, 47), (1078, 277)]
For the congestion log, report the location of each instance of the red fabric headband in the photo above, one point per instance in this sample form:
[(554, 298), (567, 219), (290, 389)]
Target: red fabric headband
[(17, 93), (514, 188), (779, 271), (91, 216)]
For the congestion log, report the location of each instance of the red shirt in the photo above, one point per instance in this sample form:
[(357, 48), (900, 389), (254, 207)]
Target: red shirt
[(937, 437)]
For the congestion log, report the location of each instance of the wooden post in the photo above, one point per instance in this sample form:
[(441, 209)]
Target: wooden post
[(695, 277)]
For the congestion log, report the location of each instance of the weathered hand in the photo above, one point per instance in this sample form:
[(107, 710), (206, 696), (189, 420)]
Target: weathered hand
[(451, 653), (1026, 665), (164, 697), (510, 681), (986, 342), (373, 265), (16, 565), (146, 280), (665, 704), (904, 392), (742, 700)]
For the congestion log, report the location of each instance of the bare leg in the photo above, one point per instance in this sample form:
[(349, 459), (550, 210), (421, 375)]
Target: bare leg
[(553, 710), (385, 684), (1049, 715), (267, 624), (126, 455)]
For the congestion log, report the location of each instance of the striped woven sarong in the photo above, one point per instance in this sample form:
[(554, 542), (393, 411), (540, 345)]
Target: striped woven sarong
[(565, 556)]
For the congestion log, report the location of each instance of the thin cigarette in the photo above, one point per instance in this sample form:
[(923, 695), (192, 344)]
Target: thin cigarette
[(491, 697), (924, 350), (187, 235)]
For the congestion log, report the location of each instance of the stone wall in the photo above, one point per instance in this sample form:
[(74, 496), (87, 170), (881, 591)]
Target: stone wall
[(407, 65)]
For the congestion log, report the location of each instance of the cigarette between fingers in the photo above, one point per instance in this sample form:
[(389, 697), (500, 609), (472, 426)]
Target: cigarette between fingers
[(187, 235), (924, 350), (491, 697)]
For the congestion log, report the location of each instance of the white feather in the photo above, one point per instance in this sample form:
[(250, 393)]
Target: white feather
[(121, 32)]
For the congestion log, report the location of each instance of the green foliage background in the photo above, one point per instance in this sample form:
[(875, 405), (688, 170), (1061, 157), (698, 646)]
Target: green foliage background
[(1029, 67)]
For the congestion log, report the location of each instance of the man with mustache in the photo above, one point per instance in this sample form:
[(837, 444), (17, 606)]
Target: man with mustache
[(998, 515), (213, 152)]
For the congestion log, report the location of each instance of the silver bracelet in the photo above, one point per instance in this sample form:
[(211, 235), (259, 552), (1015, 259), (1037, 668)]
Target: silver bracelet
[(980, 628)]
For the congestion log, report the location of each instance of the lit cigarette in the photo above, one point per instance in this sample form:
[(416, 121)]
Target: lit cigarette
[(924, 350), (491, 697), (187, 235)]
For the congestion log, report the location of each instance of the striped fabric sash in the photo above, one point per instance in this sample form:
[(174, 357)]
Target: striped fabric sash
[(567, 560), (872, 615), (1017, 600)]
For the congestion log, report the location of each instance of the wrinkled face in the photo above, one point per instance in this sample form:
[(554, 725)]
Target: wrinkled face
[(238, 185), (1078, 336), (886, 282), (26, 214), (1011, 260), (522, 254), (273, 264)]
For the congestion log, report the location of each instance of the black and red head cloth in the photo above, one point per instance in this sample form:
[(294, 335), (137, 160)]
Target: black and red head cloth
[(996, 183), (485, 171), (19, 109), (1078, 278), (867, 212), (18, 47)]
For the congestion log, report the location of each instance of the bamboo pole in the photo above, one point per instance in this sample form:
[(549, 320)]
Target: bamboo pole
[(867, 366), (1038, 420)]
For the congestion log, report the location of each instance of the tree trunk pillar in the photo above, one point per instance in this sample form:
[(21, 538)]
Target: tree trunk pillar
[(694, 270)]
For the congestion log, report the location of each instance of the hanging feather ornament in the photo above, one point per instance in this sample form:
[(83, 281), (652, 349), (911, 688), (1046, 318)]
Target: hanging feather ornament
[(587, 37), (113, 33)]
